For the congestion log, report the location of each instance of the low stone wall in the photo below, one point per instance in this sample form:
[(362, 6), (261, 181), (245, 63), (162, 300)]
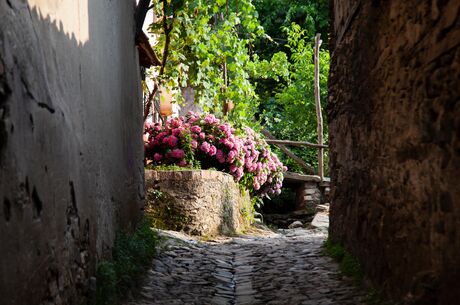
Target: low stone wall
[(198, 202)]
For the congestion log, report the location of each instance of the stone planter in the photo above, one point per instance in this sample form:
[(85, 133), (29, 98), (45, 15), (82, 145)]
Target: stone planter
[(198, 202)]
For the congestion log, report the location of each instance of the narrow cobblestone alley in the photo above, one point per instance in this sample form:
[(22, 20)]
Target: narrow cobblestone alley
[(269, 268)]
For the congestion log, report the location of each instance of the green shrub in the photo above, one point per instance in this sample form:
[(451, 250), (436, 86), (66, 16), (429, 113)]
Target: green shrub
[(132, 253)]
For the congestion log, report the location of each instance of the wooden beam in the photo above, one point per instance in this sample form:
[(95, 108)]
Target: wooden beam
[(295, 143), (295, 177), (319, 115), (147, 55), (308, 168)]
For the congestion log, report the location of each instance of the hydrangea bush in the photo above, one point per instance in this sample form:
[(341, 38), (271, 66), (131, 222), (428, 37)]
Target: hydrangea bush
[(205, 141)]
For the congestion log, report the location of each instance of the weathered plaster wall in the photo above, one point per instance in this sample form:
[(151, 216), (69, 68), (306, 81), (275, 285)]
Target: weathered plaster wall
[(394, 116), (70, 144)]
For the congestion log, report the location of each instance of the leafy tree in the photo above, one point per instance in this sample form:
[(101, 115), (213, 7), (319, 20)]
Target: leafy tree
[(206, 45), (311, 15), (221, 50), (290, 113)]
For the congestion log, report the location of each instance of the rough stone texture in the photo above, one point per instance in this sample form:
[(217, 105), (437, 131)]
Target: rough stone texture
[(286, 268), (70, 145), (394, 116), (308, 196), (199, 202)]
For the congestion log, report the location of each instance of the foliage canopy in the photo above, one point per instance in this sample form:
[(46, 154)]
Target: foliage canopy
[(221, 50)]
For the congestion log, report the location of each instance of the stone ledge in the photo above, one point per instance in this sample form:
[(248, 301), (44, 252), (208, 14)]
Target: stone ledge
[(185, 174)]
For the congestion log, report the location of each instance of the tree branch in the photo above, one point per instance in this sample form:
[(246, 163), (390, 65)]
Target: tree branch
[(139, 16), (167, 29), (148, 104)]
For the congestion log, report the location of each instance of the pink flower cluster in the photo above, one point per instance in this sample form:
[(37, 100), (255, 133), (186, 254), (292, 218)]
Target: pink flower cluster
[(212, 143)]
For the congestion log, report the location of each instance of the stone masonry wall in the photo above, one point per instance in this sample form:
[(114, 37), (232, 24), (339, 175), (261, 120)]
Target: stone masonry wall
[(198, 202), (70, 143), (394, 116)]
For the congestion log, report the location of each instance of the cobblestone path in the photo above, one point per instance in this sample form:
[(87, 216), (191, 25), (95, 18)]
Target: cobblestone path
[(273, 269)]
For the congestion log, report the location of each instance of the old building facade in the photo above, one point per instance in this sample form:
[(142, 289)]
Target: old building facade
[(70, 143)]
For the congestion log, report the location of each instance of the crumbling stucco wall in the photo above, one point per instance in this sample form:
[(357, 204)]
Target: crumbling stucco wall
[(394, 116), (70, 147)]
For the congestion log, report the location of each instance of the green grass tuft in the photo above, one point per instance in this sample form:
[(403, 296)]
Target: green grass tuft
[(348, 265), (132, 253)]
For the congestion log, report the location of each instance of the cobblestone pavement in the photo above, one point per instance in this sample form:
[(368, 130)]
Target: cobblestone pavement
[(287, 267)]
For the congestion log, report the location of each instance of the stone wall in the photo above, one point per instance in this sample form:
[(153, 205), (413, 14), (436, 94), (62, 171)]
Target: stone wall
[(394, 116), (70, 146), (198, 202)]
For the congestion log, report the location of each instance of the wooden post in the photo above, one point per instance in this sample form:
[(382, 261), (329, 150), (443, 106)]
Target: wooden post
[(319, 115)]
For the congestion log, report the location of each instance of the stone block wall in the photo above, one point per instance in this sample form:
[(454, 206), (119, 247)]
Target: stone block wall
[(308, 196), (71, 149), (394, 116), (198, 202)]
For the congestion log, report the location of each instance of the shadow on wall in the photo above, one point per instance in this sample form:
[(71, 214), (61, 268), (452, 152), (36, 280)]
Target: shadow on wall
[(70, 143)]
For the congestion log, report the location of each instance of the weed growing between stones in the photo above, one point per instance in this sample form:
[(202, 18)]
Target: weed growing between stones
[(350, 267), (132, 253), (375, 297)]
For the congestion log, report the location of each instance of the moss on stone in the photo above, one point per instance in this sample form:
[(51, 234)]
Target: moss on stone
[(163, 212)]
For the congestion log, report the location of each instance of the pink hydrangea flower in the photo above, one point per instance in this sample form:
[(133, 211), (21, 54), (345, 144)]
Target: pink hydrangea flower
[(194, 144), (175, 123), (157, 127), (172, 141), (240, 155), (212, 150), (196, 129), (205, 146), (177, 153), (220, 156), (161, 135), (211, 119), (231, 156), (177, 131), (157, 157)]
